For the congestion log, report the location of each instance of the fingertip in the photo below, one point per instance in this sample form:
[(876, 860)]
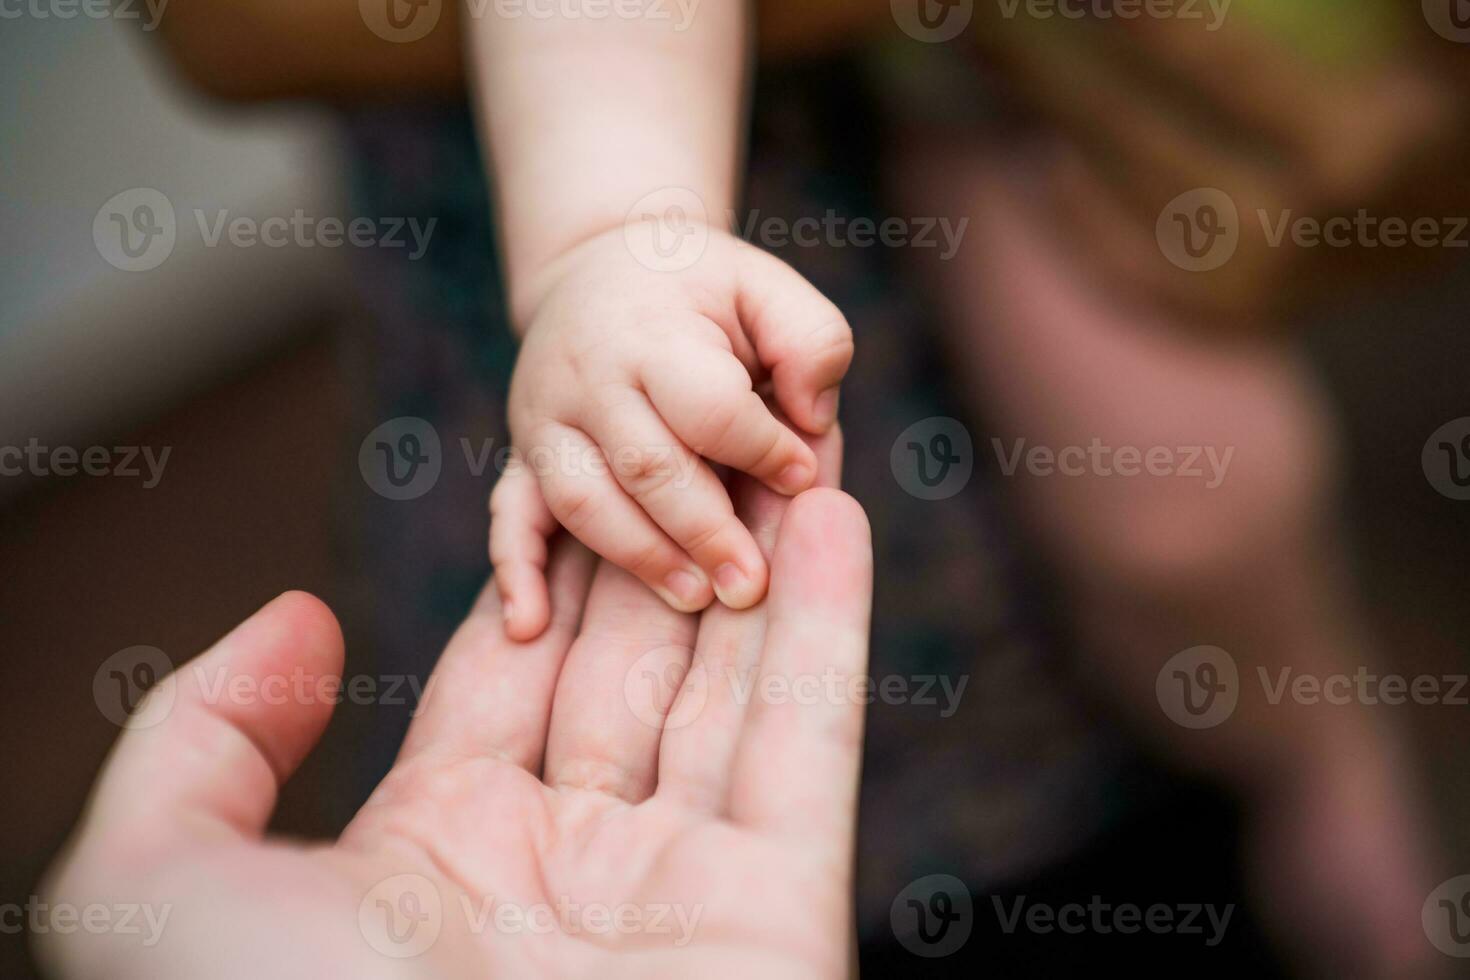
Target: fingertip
[(824, 548), (824, 409), (310, 616), (293, 629), (524, 604), (687, 590), (742, 585), (795, 478), (521, 628), (794, 395), (827, 514)]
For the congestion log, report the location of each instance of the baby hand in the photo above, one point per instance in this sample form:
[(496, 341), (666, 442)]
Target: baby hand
[(628, 380)]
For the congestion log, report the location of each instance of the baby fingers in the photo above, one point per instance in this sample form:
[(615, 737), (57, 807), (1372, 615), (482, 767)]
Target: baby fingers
[(520, 523), (704, 394), (682, 495), (579, 485)]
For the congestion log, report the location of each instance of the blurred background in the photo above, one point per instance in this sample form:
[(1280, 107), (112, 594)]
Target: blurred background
[(261, 372)]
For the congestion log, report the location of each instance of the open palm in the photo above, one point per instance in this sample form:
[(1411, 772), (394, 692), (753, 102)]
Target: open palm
[(625, 796)]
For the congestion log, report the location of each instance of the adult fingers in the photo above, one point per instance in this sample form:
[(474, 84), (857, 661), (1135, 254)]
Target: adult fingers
[(491, 696), (613, 692), (797, 764), (702, 729), (208, 748)]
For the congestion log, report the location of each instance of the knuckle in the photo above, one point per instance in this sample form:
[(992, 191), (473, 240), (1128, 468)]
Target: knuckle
[(720, 421), (647, 472), (646, 560), (702, 537), (576, 507), (776, 449)]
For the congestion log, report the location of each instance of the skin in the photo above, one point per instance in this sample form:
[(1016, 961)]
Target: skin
[(656, 375), (524, 779), (623, 359)]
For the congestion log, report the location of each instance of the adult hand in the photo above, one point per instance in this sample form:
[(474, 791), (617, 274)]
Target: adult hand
[(551, 812)]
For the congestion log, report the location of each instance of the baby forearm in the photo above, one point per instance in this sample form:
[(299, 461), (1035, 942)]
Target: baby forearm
[(584, 117)]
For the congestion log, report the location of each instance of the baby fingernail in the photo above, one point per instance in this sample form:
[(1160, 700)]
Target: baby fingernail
[(731, 585), (795, 478), (824, 408), (685, 586)]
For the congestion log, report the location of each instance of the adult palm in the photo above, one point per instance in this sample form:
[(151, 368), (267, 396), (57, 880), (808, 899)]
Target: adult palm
[(636, 793)]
